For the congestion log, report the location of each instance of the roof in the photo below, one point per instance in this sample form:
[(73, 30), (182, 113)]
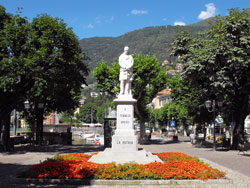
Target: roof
[(166, 91), (172, 71)]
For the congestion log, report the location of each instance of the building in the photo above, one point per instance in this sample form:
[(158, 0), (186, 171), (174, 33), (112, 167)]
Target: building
[(163, 97), (81, 101), (172, 72), (165, 62), (51, 119), (179, 67)]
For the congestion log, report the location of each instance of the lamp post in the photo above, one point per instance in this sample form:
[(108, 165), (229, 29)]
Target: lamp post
[(211, 104), (39, 128)]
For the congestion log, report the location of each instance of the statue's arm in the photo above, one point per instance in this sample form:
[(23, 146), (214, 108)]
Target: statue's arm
[(131, 63)]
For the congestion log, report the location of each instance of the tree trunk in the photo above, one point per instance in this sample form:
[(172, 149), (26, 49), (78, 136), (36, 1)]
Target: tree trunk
[(142, 125), (5, 131), (240, 115), (39, 127), (1, 133)]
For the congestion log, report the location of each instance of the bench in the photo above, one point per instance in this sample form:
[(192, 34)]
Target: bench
[(15, 140)]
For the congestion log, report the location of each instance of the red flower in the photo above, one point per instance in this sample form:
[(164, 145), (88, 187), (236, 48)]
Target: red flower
[(76, 165)]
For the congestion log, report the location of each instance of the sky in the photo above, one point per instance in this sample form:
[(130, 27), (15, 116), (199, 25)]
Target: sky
[(112, 18)]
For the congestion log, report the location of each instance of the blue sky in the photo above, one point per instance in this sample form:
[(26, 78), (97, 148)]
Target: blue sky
[(99, 18)]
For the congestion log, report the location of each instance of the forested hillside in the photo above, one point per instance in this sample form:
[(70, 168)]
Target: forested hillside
[(150, 40)]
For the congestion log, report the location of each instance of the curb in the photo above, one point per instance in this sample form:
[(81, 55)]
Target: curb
[(123, 182)]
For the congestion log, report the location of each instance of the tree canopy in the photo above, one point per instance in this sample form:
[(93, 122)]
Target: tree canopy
[(94, 109), (40, 61), (217, 63)]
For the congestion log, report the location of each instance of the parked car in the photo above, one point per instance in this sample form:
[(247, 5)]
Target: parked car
[(199, 137), (171, 133)]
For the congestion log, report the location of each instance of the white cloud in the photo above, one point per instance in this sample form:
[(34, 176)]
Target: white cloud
[(179, 23), (210, 12), (90, 26), (102, 19), (110, 20), (164, 19), (98, 19), (138, 12)]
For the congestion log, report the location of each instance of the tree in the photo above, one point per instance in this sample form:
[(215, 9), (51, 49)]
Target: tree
[(58, 70), (148, 78), (106, 77), (171, 111), (189, 99), (217, 63), (93, 110), (40, 61), (13, 53)]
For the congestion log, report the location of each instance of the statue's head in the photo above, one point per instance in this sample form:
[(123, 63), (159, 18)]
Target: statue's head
[(126, 48)]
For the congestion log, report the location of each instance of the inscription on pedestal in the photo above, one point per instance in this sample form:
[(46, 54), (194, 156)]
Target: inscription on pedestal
[(125, 116), (125, 142), (124, 119)]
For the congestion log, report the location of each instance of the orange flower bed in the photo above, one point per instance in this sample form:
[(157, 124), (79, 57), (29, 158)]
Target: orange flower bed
[(175, 166)]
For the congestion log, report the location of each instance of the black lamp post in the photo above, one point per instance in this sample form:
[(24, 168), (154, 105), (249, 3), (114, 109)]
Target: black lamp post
[(26, 105), (211, 108), (39, 128)]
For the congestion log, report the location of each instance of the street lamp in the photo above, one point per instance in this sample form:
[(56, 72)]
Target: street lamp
[(39, 131), (26, 105), (210, 105)]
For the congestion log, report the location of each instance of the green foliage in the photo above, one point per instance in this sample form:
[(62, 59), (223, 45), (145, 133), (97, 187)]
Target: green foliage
[(39, 61), (217, 63), (189, 99), (57, 64), (70, 120), (94, 109), (13, 54), (106, 77), (171, 111)]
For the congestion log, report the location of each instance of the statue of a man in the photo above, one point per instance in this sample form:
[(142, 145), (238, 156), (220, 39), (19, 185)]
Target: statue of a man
[(126, 63)]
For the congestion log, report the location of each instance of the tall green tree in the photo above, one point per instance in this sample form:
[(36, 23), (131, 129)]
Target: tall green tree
[(14, 31), (148, 78), (217, 63), (189, 99), (57, 68)]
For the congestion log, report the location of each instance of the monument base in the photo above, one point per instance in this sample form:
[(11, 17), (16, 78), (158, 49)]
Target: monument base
[(124, 141), (121, 157)]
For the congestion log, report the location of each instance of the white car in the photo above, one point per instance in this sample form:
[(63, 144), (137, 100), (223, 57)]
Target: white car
[(171, 133)]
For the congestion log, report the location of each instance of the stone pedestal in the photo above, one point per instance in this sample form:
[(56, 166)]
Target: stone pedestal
[(124, 141), (125, 138)]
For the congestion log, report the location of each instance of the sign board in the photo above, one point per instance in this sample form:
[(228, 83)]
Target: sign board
[(219, 119), (172, 123), (201, 135)]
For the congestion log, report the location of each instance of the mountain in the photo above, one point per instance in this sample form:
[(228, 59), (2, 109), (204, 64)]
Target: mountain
[(151, 40)]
